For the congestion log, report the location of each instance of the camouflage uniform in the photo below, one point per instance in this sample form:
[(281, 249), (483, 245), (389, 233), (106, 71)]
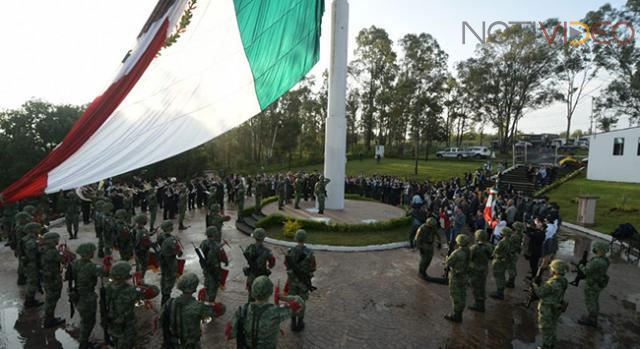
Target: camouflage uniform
[(30, 256), (214, 254), (320, 189), (181, 316), (142, 245), (260, 191), (458, 264), (240, 193), (501, 257), (182, 208), (51, 260), (85, 276), (108, 230), (281, 192), (123, 236), (22, 219), (299, 184), (72, 214), (516, 238), (214, 219), (595, 272), (169, 249), (98, 218), (481, 253), (261, 257), (258, 324), (152, 198), (425, 237), (301, 264), (551, 304), (127, 203), (121, 298)]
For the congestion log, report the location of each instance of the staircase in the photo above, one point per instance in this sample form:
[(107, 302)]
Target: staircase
[(248, 224), (516, 177)]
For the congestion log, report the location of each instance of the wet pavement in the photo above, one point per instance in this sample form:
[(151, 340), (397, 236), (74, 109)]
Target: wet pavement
[(364, 300)]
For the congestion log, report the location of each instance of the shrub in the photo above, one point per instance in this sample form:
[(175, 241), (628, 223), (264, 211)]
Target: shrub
[(558, 183), (291, 226), (266, 201), (278, 219)]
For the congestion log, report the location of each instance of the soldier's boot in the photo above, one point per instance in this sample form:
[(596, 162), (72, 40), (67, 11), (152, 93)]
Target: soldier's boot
[(497, 295), (21, 280), (52, 321), (511, 283), (100, 253), (589, 320), (300, 323), (455, 317), (31, 302), (479, 307)]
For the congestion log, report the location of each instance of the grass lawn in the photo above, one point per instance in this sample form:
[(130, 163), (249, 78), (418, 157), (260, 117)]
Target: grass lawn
[(612, 197), (432, 169), (346, 238)]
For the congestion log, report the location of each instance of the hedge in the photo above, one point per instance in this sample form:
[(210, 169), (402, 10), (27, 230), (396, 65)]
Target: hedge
[(278, 219), (559, 182), (266, 201)]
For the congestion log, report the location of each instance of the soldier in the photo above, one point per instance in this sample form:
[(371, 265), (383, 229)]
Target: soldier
[(301, 264), (214, 219), (320, 190), (182, 207), (108, 229), (72, 214), (51, 261), (181, 316), (240, 194), (121, 298), (214, 255), (501, 256), (127, 204), (260, 192), (517, 235), (458, 264), (30, 256), (85, 277), (299, 186), (595, 272), (142, 244), (169, 249), (481, 253), (22, 219), (281, 192), (260, 259), (424, 240), (98, 219), (123, 237), (552, 303), (257, 324), (152, 198)]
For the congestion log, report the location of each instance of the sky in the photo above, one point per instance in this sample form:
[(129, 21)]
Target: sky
[(67, 51)]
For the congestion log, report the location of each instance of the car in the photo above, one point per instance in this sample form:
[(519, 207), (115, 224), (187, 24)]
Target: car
[(523, 144), (458, 153), (478, 152)]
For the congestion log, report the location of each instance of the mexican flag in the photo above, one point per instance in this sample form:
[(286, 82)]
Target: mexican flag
[(198, 68)]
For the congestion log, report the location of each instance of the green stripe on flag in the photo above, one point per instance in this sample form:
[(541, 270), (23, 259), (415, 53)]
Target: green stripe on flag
[(281, 39)]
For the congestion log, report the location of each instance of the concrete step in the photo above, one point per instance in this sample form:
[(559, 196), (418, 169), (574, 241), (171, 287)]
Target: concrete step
[(244, 228), (250, 221)]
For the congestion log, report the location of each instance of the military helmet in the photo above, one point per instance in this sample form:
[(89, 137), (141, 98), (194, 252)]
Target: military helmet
[(462, 240), (519, 226), (431, 222), (212, 232), (121, 270), (121, 214), (507, 231), (188, 283), (107, 206), (99, 205), (215, 208), (301, 235), (480, 235), (141, 219), (262, 288), (51, 236), (600, 246), (259, 234), (33, 228), (167, 226), (30, 209), (559, 266), (23, 217), (86, 249)]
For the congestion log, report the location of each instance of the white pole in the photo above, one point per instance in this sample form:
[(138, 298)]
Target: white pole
[(335, 146)]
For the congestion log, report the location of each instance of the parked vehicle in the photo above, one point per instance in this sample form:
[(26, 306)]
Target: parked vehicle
[(458, 153), (479, 152)]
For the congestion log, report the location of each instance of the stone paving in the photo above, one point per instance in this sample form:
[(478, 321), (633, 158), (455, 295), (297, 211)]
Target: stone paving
[(364, 300), (355, 212)]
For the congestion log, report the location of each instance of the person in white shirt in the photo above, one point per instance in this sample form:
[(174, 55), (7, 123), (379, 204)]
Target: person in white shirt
[(497, 231)]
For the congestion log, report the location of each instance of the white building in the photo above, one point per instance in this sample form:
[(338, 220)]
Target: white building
[(615, 156)]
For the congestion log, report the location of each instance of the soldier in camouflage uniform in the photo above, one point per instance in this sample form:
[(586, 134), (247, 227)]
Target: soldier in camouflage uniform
[(260, 259), (481, 253), (301, 264), (123, 237), (85, 277), (299, 186), (98, 219), (152, 199), (142, 244), (30, 256), (458, 264), (425, 238), (261, 189), (501, 257), (517, 235), (551, 304), (127, 203), (182, 207), (214, 255), (240, 194), (595, 272), (108, 230), (320, 189), (51, 260), (22, 219), (121, 298), (181, 316), (257, 324), (72, 213), (169, 250), (214, 219), (281, 192)]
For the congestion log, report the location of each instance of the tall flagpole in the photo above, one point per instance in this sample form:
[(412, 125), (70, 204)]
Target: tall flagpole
[(335, 146)]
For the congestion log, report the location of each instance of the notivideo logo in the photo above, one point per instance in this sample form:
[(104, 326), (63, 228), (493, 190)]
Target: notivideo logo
[(570, 32)]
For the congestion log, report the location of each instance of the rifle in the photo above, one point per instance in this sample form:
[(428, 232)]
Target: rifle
[(445, 274), (104, 312), (299, 273), (531, 293), (201, 258), (580, 274), (251, 261), (71, 290)]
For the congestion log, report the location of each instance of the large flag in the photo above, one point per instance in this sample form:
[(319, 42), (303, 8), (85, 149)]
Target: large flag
[(490, 208), (198, 69)]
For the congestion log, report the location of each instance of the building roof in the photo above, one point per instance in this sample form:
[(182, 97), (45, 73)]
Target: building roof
[(621, 129)]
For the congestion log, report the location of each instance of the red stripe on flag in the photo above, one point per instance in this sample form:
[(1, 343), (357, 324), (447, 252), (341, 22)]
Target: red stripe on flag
[(34, 182)]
